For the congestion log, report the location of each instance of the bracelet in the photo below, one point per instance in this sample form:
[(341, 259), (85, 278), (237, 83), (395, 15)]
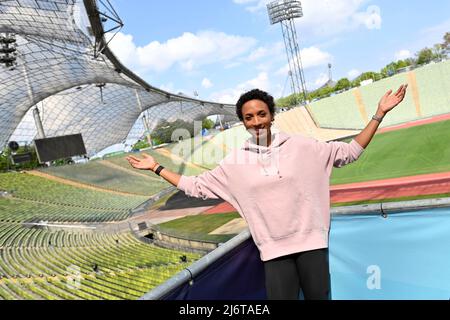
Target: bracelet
[(158, 171), (379, 119)]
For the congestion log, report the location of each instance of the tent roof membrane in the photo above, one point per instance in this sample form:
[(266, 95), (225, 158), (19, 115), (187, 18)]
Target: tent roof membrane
[(64, 67)]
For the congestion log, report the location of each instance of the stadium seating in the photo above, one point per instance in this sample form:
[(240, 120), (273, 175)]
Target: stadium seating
[(338, 112), (427, 96), (40, 264), (95, 173), (371, 95), (299, 121), (29, 187), (434, 83)]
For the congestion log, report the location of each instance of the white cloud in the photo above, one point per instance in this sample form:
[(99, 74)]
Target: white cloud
[(206, 83), (329, 16), (260, 82), (321, 80), (271, 50), (231, 95), (169, 87), (438, 30), (253, 5), (434, 34), (187, 65), (232, 65), (188, 51), (371, 18), (257, 54), (124, 48), (403, 54), (243, 1), (311, 57), (352, 74), (427, 37), (333, 17)]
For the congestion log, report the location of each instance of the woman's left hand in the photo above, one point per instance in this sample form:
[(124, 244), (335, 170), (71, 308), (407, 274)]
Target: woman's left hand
[(389, 101)]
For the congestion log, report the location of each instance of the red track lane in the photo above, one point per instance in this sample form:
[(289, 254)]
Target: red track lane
[(220, 208), (416, 123), (427, 184)]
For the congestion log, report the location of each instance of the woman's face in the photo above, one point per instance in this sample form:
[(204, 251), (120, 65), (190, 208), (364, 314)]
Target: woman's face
[(257, 118)]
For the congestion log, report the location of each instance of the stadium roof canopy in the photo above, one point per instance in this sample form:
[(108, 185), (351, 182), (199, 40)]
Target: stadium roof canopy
[(63, 67)]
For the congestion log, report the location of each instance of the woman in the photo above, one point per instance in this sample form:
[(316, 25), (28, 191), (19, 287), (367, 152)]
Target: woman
[(279, 184)]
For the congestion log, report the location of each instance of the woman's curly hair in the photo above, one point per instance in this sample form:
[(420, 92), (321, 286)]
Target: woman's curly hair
[(255, 94)]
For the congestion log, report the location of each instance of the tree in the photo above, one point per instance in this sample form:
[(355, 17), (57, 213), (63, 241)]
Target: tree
[(5, 161), (446, 43), (404, 63), (320, 93), (288, 101), (207, 124), (425, 56), (342, 84), (438, 51), (389, 70), (375, 76), (141, 144), (393, 67), (164, 130)]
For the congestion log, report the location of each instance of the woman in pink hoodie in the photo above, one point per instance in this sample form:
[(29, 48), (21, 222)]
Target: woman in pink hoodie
[(279, 183)]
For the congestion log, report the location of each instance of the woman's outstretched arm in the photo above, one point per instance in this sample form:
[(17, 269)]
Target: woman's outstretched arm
[(211, 184), (387, 103), (149, 163)]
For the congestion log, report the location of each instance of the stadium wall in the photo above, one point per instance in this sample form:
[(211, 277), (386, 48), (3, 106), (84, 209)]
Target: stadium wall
[(427, 96)]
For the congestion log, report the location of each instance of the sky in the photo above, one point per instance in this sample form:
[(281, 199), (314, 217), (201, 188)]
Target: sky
[(219, 49)]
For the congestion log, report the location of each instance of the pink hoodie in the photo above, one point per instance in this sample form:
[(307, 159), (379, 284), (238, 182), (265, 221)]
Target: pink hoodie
[(282, 191)]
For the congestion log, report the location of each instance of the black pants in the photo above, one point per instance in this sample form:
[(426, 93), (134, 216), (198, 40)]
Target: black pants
[(306, 271)]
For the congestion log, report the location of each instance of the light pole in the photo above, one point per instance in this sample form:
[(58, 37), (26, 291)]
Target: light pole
[(147, 131), (284, 12), (8, 50), (330, 75)]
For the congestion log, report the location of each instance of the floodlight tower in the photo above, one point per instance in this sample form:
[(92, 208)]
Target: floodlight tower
[(8, 50), (330, 75), (284, 12)]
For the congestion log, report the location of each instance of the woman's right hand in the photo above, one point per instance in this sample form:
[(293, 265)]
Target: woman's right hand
[(147, 163)]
